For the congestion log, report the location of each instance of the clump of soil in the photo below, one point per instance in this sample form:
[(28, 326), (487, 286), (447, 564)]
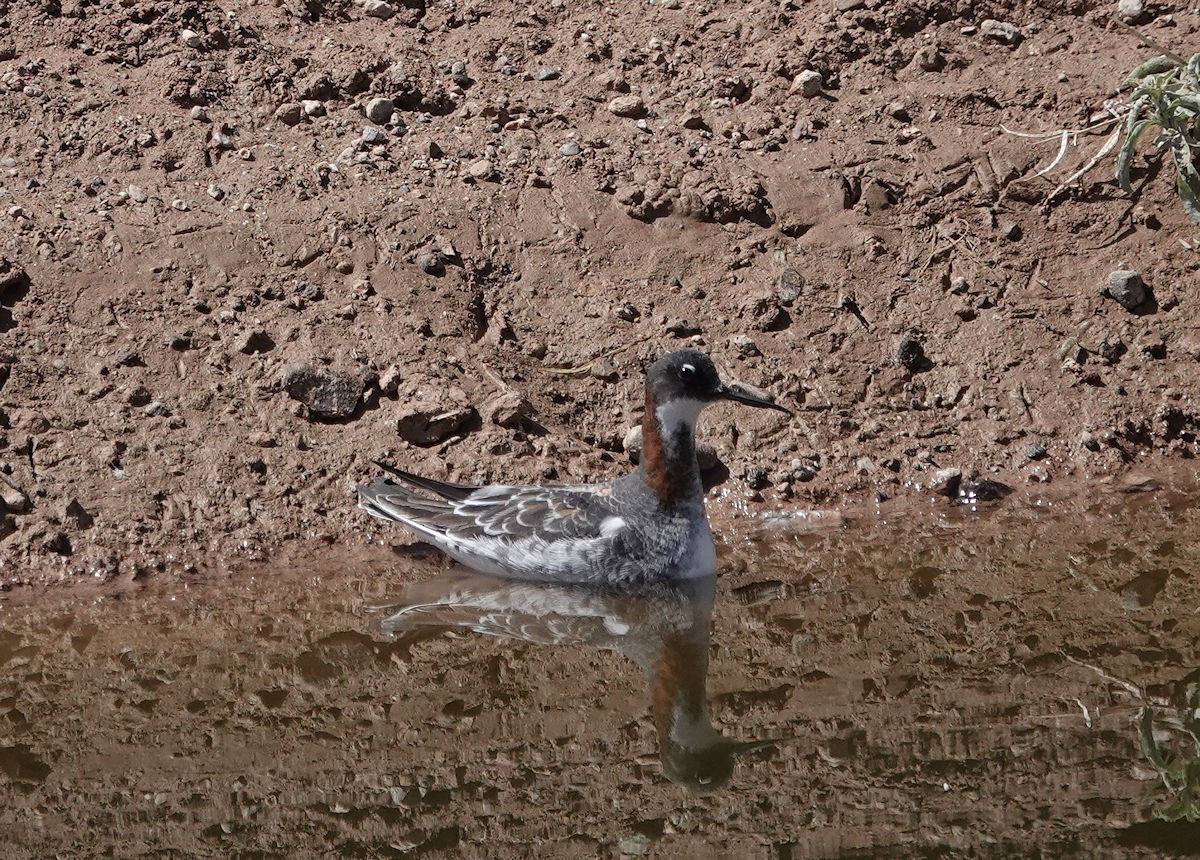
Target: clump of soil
[(429, 208)]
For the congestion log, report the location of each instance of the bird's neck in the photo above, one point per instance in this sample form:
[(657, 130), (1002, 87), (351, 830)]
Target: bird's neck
[(669, 465)]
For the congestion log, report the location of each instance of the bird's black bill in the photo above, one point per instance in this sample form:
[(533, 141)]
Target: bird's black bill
[(739, 395)]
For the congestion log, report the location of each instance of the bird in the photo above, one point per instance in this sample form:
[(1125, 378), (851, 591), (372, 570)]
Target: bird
[(645, 526), (664, 627)]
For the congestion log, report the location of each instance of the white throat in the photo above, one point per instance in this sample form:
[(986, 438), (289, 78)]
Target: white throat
[(676, 415)]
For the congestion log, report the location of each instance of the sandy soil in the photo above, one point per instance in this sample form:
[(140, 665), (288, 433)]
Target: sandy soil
[(248, 247)]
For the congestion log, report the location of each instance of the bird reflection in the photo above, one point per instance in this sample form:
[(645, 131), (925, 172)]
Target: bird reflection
[(663, 627)]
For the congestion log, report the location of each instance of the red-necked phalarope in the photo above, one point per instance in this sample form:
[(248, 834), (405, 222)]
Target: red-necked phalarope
[(647, 525)]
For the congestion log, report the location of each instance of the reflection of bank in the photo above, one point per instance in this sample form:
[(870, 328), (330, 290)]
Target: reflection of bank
[(664, 628)]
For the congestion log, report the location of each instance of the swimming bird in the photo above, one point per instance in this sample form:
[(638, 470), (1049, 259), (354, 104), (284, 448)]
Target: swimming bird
[(644, 526)]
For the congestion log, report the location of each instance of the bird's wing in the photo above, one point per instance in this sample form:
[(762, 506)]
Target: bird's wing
[(526, 531)]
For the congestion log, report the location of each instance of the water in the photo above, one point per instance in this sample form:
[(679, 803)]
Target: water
[(937, 683)]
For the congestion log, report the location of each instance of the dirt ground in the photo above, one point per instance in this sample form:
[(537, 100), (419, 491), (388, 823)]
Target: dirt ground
[(248, 247)]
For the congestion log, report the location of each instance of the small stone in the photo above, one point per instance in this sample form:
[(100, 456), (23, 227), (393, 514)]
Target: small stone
[(1000, 31), (312, 107), (910, 354), (481, 169), (75, 514), (1131, 11), (547, 73), (326, 393), (929, 59), (570, 149), (378, 9), (372, 136), (693, 120), (745, 346), (199, 114), (216, 192), (289, 113), (791, 284), (458, 74), (507, 409), (157, 409), (945, 482), (379, 110), (849, 5), (808, 83), (180, 205), (757, 478), (627, 106), (255, 341), (431, 263), (191, 38), (1036, 451), (136, 194), (179, 342), (984, 490), (1127, 288)]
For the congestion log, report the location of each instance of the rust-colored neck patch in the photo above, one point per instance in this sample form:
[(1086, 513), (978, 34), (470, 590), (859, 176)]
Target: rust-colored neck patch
[(668, 467)]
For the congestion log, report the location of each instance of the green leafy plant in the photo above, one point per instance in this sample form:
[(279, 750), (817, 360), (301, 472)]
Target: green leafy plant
[(1180, 772), (1166, 94)]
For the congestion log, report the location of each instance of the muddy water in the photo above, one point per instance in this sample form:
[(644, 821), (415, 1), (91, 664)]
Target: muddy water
[(997, 683)]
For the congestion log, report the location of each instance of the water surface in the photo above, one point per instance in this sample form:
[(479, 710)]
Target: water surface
[(948, 682)]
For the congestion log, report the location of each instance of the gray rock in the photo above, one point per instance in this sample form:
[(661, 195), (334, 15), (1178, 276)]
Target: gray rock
[(547, 73), (481, 169), (1131, 11), (312, 107), (1000, 31), (1127, 288), (157, 409), (378, 9), (432, 263), (458, 74), (372, 136), (808, 83), (744, 345), (136, 194), (1036, 451), (929, 59), (682, 328), (791, 284), (289, 113), (326, 393), (426, 424), (570, 148), (379, 110)]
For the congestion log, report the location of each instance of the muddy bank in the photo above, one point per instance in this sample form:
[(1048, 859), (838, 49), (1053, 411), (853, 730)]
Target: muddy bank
[(245, 253)]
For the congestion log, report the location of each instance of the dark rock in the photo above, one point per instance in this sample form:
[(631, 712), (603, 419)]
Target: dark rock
[(757, 478), (982, 491), (1036, 451), (791, 284), (326, 393), (682, 328), (910, 354)]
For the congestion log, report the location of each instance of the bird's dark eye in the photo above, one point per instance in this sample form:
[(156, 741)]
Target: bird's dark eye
[(687, 373)]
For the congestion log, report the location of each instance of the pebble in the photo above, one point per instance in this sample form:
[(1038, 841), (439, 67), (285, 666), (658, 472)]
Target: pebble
[(216, 192), (1036, 451), (157, 409), (910, 354), (791, 284), (1127, 288), (289, 113), (808, 83), (507, 409), (929, 59), (378, 9), (570, 149), (1131, 11), (431, 263), (372, 136), (458, 74), (312, 107), (1000, 31), (849, 5), (191, 38), (627, 106), (136, 194), (180, 205), (326, 393), (380, 110), (481, 169), (745, 345), (547, 73)]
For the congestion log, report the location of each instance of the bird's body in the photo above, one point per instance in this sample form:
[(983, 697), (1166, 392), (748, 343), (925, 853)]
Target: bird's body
[(645, 526)]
